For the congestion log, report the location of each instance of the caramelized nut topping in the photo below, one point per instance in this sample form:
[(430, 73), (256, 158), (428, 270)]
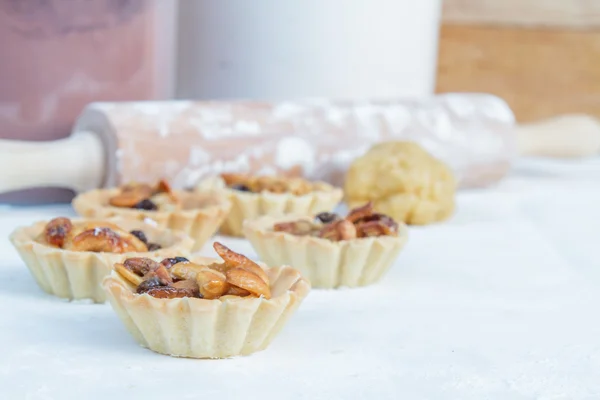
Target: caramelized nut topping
[(148, 284), (221, 267), (185, 271), (168, 292), (186, 284), (273, 184), (162, 274), (360, 212), (140, 266), (190, 286), (163, 187), (169, 262), (234, 179), (249, 281), (376, 225), (142, 196), (57, 231), (359, 223), (103, 239), (233, 259), (129, 275), (94, 236), (177, 277), (137, 187), (339, 230), (236, 291), (299, 228), (99, 240), (130, 197), (212, 284)]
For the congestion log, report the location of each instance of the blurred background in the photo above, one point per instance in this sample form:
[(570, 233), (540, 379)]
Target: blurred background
[(540, 56)]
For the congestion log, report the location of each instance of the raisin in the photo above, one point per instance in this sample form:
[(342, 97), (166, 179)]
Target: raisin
[(169, 262), (140, 235), (146, 204), (327, 217), (241, 187), (148, 284), (154, 246)]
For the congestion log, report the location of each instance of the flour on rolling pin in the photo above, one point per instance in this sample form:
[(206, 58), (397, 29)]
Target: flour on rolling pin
[(186, 141)]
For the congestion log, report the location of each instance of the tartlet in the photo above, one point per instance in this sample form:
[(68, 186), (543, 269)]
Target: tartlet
[(71, 262), (255, 196), (213, 313), (198, 214), (329, 250)]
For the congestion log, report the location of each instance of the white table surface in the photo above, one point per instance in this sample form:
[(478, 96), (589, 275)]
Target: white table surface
[(501, 302)]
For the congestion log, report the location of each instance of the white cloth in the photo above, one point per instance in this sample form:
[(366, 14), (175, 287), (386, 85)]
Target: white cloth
[(501, 302)]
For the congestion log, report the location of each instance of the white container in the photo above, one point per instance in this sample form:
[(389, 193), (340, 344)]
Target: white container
[(281, 49)]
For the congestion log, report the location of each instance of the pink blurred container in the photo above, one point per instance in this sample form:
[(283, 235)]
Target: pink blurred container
[(57, 56)]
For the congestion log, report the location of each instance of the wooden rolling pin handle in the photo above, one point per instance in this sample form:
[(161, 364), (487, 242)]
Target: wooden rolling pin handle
[(567, 136), (76, 162)]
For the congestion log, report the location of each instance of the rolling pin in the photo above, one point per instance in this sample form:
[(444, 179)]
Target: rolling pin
[(185, 141)]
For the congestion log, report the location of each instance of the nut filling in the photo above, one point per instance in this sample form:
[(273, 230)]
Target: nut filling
[(142, 196), (104, 237), (273, 184), (178, 277), (360, 222)]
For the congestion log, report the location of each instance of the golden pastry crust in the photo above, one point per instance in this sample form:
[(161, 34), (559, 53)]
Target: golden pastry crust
[(403, 181), (77, 275), (250, 205), (200, 328), (326, 263), (199, 216), (273, 184)]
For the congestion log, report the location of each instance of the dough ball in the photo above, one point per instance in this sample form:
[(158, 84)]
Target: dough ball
[(403, 181)]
